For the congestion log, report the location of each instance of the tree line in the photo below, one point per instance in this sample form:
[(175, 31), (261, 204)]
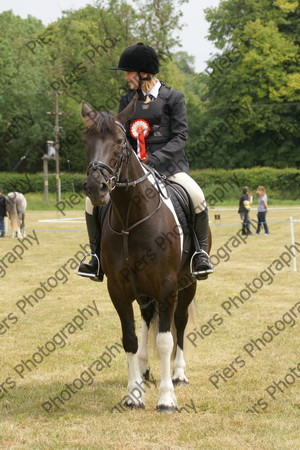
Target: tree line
[(243, 110)]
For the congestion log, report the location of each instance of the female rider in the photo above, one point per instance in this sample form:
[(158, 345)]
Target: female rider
[(163, 112)]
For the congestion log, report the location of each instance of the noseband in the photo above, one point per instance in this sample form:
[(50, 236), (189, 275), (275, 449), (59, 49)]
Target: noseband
[(113, 181)]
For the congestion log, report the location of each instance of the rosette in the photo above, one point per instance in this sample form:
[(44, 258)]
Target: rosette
[(140, 129)]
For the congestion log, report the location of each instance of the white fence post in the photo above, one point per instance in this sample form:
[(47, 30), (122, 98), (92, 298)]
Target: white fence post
[(293, 243)]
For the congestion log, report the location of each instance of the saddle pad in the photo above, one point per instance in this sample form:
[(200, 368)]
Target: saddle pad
[(181, 203)]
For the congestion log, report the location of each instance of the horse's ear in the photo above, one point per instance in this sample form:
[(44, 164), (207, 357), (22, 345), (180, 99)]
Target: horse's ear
[(124, 115), (86, 109), (87, 113)]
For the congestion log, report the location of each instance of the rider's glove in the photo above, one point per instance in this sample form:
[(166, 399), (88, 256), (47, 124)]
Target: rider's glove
[(153, 161)]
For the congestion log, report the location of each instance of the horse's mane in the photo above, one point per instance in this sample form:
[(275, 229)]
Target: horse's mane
[(100, 124)]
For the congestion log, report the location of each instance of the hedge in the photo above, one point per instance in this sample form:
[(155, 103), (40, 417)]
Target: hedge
[(279, 183)]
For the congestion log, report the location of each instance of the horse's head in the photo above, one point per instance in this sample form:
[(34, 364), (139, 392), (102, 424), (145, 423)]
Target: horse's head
[(107, 148)]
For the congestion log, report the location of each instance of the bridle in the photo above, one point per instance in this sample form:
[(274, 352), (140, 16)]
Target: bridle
[(114, 180)]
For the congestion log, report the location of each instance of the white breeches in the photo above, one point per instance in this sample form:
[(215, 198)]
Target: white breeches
[(193, 189), (88, 206)]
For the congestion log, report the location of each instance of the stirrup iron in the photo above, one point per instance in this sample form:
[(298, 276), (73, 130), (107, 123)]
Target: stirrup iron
[(199, 272), (90, 275)]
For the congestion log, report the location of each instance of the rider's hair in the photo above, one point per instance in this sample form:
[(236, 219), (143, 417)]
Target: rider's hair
[(148, 84)]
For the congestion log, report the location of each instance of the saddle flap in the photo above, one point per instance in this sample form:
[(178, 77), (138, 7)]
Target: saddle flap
[(181, 201)]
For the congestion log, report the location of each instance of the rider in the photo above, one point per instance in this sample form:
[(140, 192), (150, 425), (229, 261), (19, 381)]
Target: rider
[(162, 110)]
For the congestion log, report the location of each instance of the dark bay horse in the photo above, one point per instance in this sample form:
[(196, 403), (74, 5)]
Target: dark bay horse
[(141, 252)]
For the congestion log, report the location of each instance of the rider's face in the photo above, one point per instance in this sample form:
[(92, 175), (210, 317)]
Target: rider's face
[(133, 79)]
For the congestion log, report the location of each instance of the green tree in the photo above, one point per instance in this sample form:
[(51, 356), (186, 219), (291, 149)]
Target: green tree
[(72, 56), (253, 84), (23, 123)]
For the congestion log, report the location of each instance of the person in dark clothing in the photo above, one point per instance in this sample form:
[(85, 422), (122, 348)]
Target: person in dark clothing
[(244, 209), (3, 214), (158, 132)]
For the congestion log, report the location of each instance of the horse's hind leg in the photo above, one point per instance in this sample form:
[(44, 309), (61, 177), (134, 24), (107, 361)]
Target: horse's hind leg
[(147, 311), (185, 297), (22, 226), (19, 230)]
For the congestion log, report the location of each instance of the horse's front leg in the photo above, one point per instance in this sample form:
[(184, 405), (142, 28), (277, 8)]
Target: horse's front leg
[(147, 307), (135, 396), (164, 341)]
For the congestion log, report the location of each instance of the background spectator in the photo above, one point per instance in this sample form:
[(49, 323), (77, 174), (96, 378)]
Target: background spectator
[(2, 213), (244, 209), (262, 209)]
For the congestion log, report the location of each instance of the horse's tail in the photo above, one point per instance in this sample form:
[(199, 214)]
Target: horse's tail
[(191, 325), (14, 219)]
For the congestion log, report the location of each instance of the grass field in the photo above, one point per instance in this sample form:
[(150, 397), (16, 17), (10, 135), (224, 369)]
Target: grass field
[(211, 416), (71, 201)]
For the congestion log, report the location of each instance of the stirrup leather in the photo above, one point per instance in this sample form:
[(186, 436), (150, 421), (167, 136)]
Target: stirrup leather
[(200, 272), (89, 275)]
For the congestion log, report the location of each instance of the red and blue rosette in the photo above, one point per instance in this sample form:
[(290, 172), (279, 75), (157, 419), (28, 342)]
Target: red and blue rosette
[(140, 129)]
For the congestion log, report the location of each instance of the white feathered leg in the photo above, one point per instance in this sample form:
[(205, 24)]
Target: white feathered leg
[(167, 400), (179, 366), (134, 398), (142, 352)]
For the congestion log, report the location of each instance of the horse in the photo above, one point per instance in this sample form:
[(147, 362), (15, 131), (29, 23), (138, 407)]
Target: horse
[(16, 205), (141, 252)]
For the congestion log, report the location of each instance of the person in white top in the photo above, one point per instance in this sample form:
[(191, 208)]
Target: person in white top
[(262, 209)]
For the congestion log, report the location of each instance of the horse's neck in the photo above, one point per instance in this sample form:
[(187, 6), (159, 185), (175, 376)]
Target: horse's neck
[(134, 201)]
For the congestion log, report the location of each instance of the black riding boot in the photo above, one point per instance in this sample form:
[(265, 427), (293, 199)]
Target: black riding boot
[(93, 268), (201, 265)]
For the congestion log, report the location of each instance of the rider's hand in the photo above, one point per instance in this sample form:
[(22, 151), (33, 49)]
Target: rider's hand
[(153, 161)]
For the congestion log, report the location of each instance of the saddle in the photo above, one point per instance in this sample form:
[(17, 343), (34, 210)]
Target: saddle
[(182, 203), (183, 207)]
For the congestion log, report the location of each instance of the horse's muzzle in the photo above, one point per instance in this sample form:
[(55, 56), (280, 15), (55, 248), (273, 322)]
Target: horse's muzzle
[(98, 193)]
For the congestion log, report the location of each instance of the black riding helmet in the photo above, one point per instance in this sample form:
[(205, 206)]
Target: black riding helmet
[(139, 58)]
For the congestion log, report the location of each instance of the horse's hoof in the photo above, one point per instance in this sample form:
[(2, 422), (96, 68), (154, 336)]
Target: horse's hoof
[(166, 409), (134, 406), (180, 382), (146, 375)]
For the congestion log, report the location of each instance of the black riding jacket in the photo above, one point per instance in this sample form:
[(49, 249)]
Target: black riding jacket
[(167, 118), (2, 206)]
